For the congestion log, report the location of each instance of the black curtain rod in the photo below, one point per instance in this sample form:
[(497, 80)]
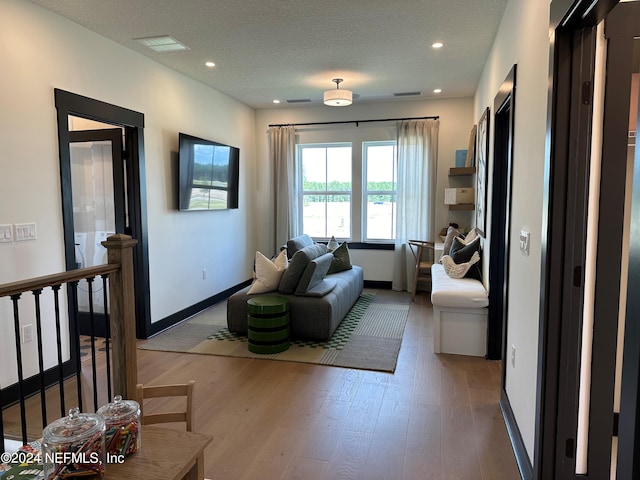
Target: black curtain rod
[(357, 122)]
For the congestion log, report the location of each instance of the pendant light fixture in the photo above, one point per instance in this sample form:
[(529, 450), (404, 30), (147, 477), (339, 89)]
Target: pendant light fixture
[(337, 97)]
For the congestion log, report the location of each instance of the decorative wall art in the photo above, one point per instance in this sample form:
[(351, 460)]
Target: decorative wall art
[(482, 156), (472, 148)]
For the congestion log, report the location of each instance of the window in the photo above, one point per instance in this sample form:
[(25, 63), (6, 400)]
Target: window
[(331, 204), (379, 190), (326, 189)]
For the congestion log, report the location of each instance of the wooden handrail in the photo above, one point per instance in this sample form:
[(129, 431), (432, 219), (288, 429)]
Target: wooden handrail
[(36, 283), (122, 301)]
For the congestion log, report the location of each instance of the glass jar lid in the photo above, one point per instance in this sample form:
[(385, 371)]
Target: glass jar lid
[(77, 426), (119, 409)]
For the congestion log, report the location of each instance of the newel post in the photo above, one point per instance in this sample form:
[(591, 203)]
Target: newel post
[(123, 315)]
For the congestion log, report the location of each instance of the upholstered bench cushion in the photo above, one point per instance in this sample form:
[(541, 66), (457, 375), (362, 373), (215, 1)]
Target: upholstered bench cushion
[(456, 292)]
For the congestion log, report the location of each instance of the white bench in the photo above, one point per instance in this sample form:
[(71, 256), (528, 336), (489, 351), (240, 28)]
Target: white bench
[(459, 314)]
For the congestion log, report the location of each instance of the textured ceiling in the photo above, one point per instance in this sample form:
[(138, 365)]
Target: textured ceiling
[(291, 49)]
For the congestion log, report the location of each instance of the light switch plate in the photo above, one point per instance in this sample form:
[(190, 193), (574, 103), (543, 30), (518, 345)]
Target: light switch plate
[(25, 231), (524, 241), (6, 233)]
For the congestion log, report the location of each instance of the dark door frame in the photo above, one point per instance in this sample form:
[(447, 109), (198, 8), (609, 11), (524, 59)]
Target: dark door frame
[(68, 103), (503, 131), (566, 167)]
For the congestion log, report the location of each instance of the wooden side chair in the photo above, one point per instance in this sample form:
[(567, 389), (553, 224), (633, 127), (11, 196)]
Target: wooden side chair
[(158, 391), (424, 254)]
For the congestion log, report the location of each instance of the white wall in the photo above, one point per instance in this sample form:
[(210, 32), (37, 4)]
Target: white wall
[(456, 119), (40, 51), (523, 40)]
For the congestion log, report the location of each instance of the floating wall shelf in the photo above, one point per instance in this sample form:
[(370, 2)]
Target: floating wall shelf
[(462, 206), (462, 171)]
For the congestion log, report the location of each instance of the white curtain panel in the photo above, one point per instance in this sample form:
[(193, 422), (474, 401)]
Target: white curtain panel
[(282, 157), (415, 220)]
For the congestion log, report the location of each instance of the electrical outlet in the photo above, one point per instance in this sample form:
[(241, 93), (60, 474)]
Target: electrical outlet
[(27, 333), (513, 355), (204, 273)]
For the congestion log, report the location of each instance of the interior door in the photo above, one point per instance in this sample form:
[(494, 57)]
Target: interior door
[(99, 210), (627, 396)]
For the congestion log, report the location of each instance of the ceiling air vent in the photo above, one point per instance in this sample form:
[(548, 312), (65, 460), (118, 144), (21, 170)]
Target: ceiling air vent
[(299, 100), (407, 94), (162, 44)]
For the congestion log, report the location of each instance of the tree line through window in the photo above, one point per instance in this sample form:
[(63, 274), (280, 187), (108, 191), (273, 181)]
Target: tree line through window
[(329, 203)]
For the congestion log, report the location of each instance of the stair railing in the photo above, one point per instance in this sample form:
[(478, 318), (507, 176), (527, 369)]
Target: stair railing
[(122, 365)]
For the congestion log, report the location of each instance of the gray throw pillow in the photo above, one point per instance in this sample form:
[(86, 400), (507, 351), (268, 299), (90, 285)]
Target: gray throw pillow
[(297, 266), (452, 233), (314, 273), (298, 243)]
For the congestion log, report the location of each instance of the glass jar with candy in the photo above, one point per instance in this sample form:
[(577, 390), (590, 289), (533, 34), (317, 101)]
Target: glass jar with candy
[(74, 446), (122, 419)]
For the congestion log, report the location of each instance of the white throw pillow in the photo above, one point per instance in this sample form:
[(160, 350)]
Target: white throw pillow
[(470, 237), (332, 244), (268, 273)]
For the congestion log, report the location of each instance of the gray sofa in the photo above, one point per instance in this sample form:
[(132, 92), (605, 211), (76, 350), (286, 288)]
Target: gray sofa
[(318, 301)]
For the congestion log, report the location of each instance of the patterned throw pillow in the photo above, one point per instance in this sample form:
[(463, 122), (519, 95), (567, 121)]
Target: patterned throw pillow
[(461, 253)]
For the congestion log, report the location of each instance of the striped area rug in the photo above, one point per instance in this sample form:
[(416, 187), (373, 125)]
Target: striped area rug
[(368, 338)]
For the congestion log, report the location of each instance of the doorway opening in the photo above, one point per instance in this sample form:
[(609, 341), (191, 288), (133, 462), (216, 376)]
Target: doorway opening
[(103, 186)]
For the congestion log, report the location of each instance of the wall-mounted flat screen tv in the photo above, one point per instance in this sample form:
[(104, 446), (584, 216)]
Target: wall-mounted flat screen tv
[(209, 174)]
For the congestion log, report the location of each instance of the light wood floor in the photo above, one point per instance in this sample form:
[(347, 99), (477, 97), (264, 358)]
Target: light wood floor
[(436, 417)]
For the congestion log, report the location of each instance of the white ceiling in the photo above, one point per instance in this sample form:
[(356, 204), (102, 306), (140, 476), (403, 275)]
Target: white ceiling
[(291, 49)]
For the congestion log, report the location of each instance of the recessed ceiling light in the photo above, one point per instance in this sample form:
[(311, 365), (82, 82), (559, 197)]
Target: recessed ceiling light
[(210, 64), (437, 45), (276, 101), (437, 90)]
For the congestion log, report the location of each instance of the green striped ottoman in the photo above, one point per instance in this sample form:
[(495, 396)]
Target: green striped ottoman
[(268, 324)]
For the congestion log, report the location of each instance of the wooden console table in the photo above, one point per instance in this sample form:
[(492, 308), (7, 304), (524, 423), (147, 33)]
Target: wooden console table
[(164, 454)]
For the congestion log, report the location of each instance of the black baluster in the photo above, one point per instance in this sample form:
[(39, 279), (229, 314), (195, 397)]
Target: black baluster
[(43, 398), (56, 302), (76, 339), (107, 329), (16, 324), (93, 344)]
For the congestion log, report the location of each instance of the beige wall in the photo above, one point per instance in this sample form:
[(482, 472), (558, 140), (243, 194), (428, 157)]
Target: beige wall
[(40, 51), (523, 40)]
